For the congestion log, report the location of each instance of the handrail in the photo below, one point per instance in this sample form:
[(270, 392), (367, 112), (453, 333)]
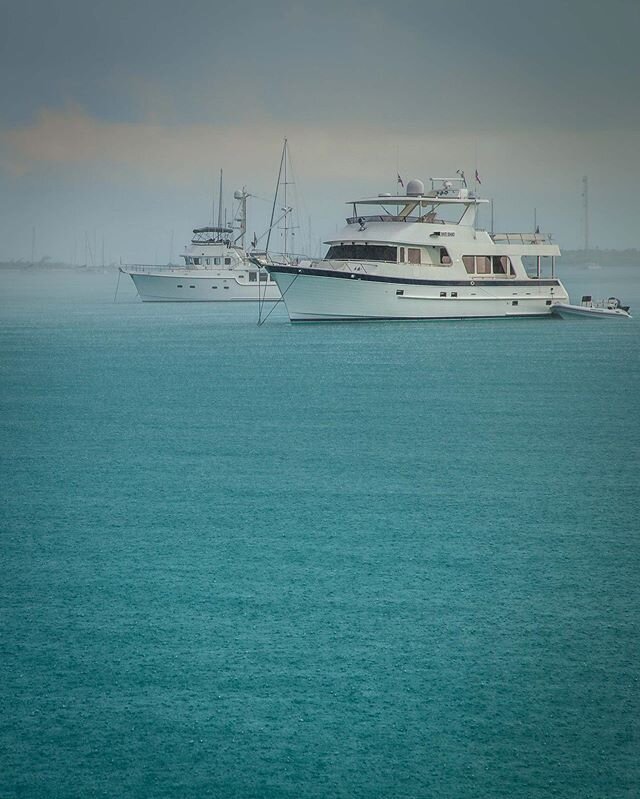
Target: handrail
[(520, 238)]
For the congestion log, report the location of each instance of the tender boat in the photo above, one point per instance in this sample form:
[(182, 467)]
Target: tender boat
[(421, 256), (602, 309)]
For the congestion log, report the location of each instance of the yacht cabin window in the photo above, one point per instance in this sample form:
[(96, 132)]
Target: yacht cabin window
[(487, 265), (217, 261), (413, 255), (227, 261), (445, 258), (483, 265), (196, 261), (252, 277), (401, 255), (362, 252), (263, 277)]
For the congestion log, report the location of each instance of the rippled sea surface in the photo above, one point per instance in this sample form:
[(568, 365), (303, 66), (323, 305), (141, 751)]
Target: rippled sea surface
[(368, 560)]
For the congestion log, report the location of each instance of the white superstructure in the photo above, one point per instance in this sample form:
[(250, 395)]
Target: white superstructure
[(420, 256)]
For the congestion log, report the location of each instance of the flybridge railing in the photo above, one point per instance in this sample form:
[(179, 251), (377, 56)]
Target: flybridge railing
[(354, 220), (520, 238)]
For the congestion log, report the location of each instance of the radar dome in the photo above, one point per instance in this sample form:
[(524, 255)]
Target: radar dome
[(415, 188)]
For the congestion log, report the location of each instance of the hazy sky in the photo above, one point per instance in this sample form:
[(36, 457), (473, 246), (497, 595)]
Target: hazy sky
[(116, 116)]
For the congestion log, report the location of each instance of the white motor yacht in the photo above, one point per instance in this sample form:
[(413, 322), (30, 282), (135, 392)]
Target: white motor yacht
[(421, 256), (216, 269)]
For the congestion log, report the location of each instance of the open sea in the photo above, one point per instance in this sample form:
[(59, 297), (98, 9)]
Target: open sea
[(354, 560)]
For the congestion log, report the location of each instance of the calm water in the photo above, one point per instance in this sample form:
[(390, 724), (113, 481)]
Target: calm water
[(364, 560)]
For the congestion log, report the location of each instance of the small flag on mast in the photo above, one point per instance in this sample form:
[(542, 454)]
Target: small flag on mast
[(478, 178), (400, 181)]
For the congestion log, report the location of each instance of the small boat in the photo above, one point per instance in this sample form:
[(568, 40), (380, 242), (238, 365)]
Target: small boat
[(611, 308)]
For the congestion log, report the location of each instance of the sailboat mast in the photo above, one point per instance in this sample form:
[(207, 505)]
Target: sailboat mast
[(275, 196), (286, 213)]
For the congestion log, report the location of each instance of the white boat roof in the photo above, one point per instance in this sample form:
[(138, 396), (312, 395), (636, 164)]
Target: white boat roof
[(431, 198)]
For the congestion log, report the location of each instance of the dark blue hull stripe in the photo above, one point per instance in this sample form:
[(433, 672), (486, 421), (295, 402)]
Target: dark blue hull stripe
[(409, 281)]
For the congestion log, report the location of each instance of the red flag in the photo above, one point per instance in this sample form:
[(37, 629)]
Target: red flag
[(478, 178)]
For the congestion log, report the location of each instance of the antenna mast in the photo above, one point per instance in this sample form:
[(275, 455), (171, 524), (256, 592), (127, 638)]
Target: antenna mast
[(241, 196)]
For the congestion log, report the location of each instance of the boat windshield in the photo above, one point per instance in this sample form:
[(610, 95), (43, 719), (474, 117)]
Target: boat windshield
[(362, 252)]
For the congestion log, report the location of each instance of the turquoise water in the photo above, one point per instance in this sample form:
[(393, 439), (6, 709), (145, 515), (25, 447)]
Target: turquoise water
[(396, 560)]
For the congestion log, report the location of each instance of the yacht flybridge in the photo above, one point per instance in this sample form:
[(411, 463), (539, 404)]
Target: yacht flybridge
[(421, 256)]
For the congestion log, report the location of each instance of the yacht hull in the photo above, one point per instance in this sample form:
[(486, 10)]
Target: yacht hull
[(311, 296), (188, 286)]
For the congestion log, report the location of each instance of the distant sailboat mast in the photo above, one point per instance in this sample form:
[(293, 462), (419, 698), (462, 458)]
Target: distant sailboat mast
[(585, 205), (220, 202)]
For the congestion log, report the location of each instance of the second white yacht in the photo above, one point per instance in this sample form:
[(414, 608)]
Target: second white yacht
[(216, 269)]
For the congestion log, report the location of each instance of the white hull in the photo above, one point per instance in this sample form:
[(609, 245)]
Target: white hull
[(315, 297), (184, 285)]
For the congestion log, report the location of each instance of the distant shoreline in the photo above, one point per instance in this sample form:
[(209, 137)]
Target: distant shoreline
[(573, 257)]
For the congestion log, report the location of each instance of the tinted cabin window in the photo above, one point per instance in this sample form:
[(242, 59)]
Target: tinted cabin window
[(500, 264), (401, 255), (263, 277), (445, 258), (483, 264), (227, 261), (217, 261), (196, 261), (252, 277), (413, 255), (362, 252), (469, 263)]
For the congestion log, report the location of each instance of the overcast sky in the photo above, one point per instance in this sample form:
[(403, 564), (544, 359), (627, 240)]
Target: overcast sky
[(117, 115)]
